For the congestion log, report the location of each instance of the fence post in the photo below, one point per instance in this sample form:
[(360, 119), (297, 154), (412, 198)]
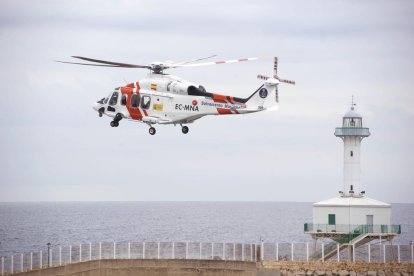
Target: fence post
[(369, 253), (60, 255), (100, 250), (41, 256), (31, 260), (186, 250), (129, 250), (384, 253), (114, 250), (51, 257), (291, 245), (2, 265), (323, 252), (277, 251), (398, 247), (80, 252), (70, 254), (224, 251), (158, 250), (242, 251), (212, 250), (201, 244), (234, 251), (90, 251), (173, 250), (12, 264), (307, 252), (337, 252), (21, 262), (255, 252)]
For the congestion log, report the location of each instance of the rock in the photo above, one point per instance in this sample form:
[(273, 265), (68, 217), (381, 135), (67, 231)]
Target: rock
[(396, 274), (372, 273), (405, 274), (352, 273), (309, 273), (361, 274), (300, 273), (343, 273), (320, 273), (328, 273), (381, 273)]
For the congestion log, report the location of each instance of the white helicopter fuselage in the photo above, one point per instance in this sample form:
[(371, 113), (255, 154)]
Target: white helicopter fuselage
[(167, 99)]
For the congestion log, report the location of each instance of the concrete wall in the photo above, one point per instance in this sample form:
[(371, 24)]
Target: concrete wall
[(150, 268)]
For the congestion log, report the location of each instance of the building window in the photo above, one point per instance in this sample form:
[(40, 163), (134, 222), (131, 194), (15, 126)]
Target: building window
[(331, 219)]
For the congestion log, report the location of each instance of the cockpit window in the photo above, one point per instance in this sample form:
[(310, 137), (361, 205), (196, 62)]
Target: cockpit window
[(101, 101), (135, 100), (146, 101), (114, 99)]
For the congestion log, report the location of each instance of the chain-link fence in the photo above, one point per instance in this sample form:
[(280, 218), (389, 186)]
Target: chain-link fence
[(57, 256)]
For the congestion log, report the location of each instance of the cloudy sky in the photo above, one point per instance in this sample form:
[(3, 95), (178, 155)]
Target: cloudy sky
[(54, 147)]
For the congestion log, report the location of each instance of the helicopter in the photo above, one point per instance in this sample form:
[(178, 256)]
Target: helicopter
[(164, 99)]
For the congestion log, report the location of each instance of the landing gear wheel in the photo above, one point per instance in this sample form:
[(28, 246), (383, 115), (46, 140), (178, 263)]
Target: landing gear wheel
[(184, 129), (152, 131), (112, 123), (116, 123), (100, 114)]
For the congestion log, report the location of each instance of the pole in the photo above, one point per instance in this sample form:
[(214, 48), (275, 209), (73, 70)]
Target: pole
[(48, 254), (251, 252), (31, 260), (398, 247), (60, 255), (158, 250), (90, 251), (412, 253), (21, 262), (70, 254), (114, 250), (369, 252), (186, 250), (234, 251), (277, 251), (143, 250), (51, 257), (201, 246), (12, 264), (212, 250), (2, 265), (80, 252), (100, 250), (255, 252), (353, 252), (41, 261), (129, 250), (262, 251), (337, 252), (384, 253), (242, 251), (224, 251), (291, 245), (173, 250)]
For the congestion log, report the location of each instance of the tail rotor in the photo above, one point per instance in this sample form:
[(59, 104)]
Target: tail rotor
[(276, 78)]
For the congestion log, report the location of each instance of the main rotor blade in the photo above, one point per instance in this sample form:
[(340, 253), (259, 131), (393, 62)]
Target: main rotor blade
[(191, 61), (118, 64), (90, 64), (219, 62)]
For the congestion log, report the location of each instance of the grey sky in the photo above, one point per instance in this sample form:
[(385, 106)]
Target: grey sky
[(55, 147)]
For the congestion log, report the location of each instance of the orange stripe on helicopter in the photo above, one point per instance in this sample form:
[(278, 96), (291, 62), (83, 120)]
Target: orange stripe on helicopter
[(217, 98), (224, 111), (133, 112)]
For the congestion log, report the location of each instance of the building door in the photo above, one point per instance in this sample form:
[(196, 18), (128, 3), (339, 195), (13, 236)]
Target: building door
[(370, 223), (331, 219)]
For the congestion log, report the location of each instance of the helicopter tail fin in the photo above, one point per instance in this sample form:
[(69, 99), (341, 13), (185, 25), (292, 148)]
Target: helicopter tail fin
[(265, 97)]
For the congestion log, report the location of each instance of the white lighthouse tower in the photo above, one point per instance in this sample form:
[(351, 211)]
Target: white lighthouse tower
[(350, 219), (352, 134)]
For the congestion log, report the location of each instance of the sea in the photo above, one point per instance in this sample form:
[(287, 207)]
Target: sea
[(29, 226)]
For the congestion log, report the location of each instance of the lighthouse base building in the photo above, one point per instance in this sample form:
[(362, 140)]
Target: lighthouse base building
[(350, 219)]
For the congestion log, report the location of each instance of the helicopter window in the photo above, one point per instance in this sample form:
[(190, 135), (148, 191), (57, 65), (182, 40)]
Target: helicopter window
[(123, 99), (146, 101), (135, 100), (114, 99), (106, 100), (101, 101)]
